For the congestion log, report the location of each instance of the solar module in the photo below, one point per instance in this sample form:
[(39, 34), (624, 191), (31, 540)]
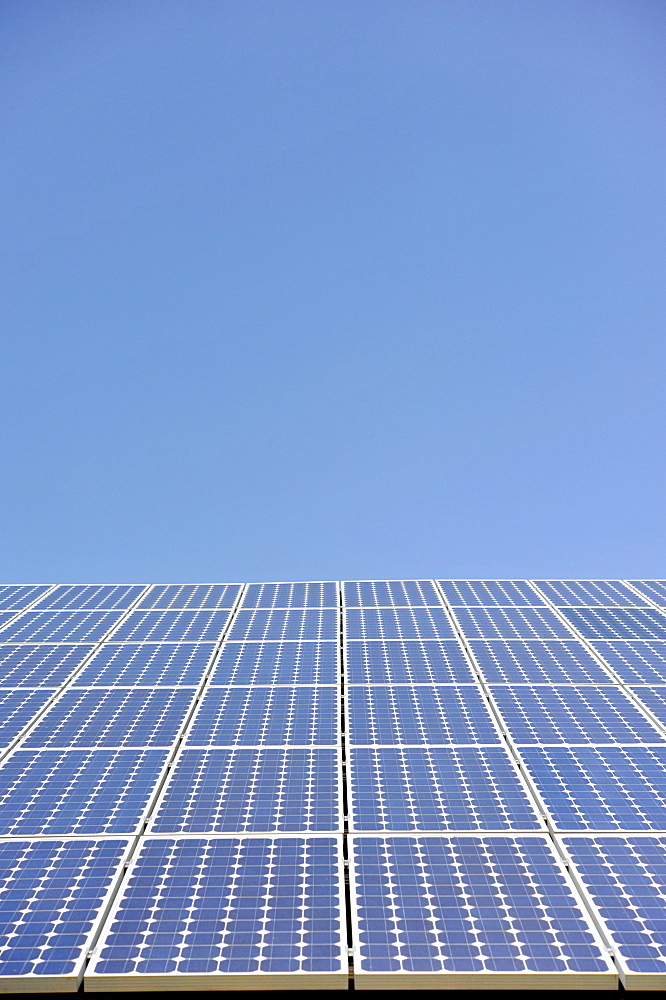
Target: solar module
[(517, 661), (397, 623), (291, 595), (655, 590), (90, 596), (617, 623), (191, 595), (277, 663), (589, 593), (60, 626), (40, 665), (281, 624), (153, 664), (407, 662), (390, 593), (19, 597), (227, 913), (18, 708), (469, 913), (173, 626), (635, 662), (511, 623), (654, 699), (480, 593)]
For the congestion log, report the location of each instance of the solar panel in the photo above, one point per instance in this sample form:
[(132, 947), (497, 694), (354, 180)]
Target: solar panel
[(170, 664), (19, 597), (588, 593), (544, 714), (511, 623), (112, 717), (635, 662), (266, 716), (90, 596), (188, 595), (654, 699), (397, 623), (439, 788), (516, 593), (227, 913), (173, 626), (65, 792), (5, 617), (469, 913), (23, 665), (245, 790), (282, 624), (426, 714), (291, 595), (390, 593), (18, 708), (53, 894), (277, 663), (408, 662), (61, 626), (517, 661), (617, 623), (626, 879), (655, 590)]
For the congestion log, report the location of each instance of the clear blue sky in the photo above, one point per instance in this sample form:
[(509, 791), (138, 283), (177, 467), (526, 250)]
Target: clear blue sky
[(297, 289)]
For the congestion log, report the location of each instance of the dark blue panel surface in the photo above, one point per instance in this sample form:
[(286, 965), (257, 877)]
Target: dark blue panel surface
[(265, 716), (103, 597), (517, 661), (654, 589), (169, 664), (440, 904), (419, 714), (397, 623), (15, 598), (635, 662), (229, 906), (396, 662), (511, 623), (588, 593), (277, 663), (17, 710), (390, 593), (654, 699), (173, 626), (283, 624), (246, 791), (113, 717), (61, 626), (60, 792), (22, 665), (291, 595), (618, 623), (191, 595), (466, 788), (601, 788), (486, 593), (50, 894), (545, 714)]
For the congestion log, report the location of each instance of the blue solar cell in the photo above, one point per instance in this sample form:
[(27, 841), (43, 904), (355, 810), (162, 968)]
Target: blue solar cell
[(168, 664), (61, 626), (277, 663), (281, 624), (17, 710), (113, 717), (173, 626), (419, 714), (482, 593), (545, 714), (626, 878), (228, 906), (635, 662), (654, 699), (397, 623), (617, 623), (191, 595), (601, 788), (655, 590), (463, 788), (467, 905), (245, 791), (511, 623), (105, 597), (517, 661), (59, 792), (19, 597), (588, 593), (291, 595), (393, 662), (266, 716), (51, 892), (22, 665), (390, 593)]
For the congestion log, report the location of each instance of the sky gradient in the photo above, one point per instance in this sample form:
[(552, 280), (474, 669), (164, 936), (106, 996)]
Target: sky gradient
[(313, 290)]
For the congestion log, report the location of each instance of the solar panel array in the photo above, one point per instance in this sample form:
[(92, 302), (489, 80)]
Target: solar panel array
[(396, 784)]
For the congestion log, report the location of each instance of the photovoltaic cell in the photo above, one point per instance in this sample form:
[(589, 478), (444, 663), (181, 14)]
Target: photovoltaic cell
[(654, 699), (412, 662), (5, 617), (60, 792), (601, 788), (427, 714), (537, 662), (251, 791), (112, 717), (443, 788), (283, 624), (471, 593), (188, 595), (291, 595), (52, 893), (174, 626), (588, 593), (19, 597), (105, 597), (397, 623), (511, 623), (635, 662), (277, 663), (169, 664), (17, 710), (22, 665), (654, 589), (469, 911), (61, 626), (269, 909), (545, 714), (390, 593), (266, 716), (617, 623), (626, 878)]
